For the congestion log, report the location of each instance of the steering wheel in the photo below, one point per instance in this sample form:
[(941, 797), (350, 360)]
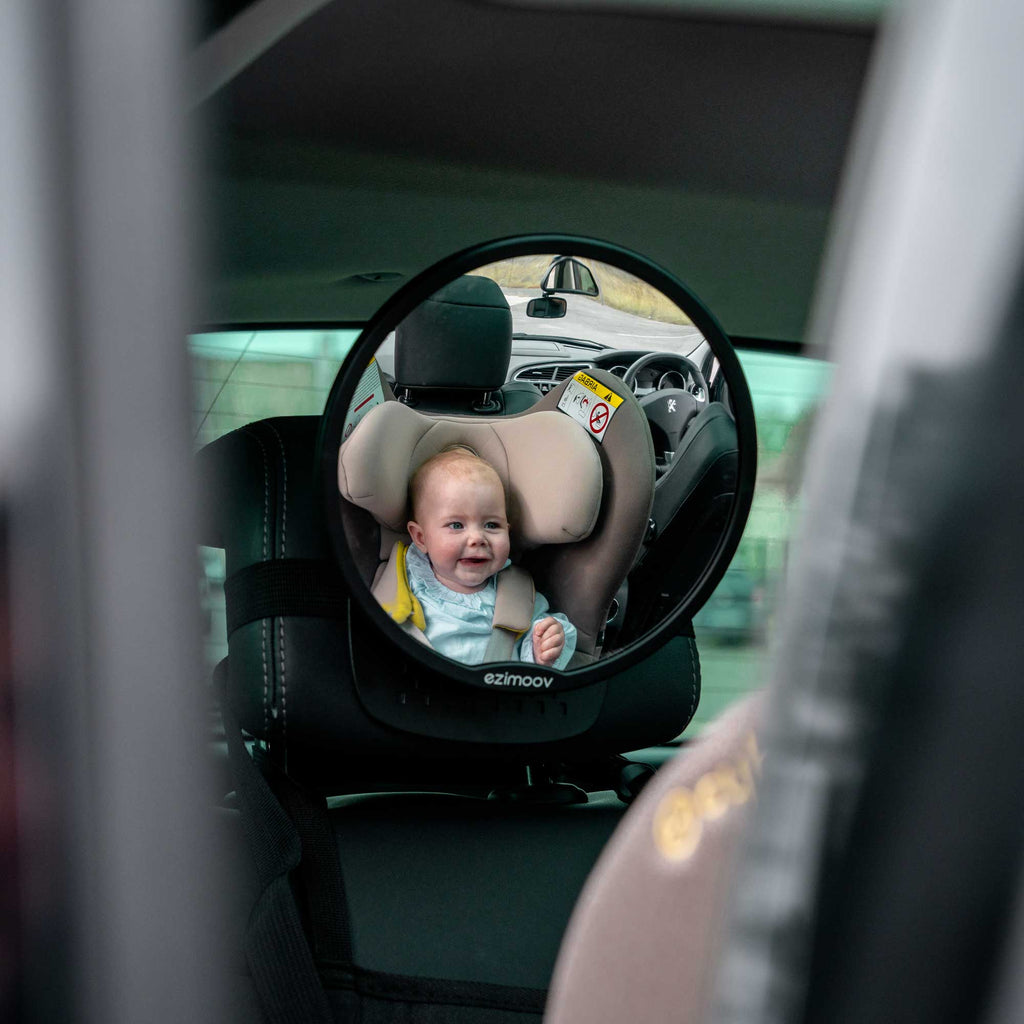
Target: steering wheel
[(669, 410), (698, 387)]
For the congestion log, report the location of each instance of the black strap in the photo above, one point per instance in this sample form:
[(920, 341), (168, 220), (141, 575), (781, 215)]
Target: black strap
[(319, 873), (285, 586), (279, 957)]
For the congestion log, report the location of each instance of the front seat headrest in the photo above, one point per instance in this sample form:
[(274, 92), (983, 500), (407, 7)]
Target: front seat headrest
[(461, 337), (528, 453)]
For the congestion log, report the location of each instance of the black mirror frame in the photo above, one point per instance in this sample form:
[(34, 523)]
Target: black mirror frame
[(386, 320), (569, 291), (547, 302)]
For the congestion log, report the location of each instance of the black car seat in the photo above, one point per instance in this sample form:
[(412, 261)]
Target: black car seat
[(452, 353), (381, 883), (579, 510)]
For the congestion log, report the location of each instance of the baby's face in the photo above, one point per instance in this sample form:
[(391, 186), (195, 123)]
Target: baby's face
[(461, 526)]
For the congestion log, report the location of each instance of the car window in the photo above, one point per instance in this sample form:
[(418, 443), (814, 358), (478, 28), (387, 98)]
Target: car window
[(242, 376), (239, 377), (734, 628)]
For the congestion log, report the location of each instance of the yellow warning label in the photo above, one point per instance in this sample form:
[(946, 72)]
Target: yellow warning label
[(601, 390)]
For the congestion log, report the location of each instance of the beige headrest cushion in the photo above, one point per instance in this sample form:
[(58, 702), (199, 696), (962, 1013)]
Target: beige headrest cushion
[(547, 462)]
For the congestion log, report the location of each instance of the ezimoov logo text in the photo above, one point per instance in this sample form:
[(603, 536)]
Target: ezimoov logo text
[(514, 679)]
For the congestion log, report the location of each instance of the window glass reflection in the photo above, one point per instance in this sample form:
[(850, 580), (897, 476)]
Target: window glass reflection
[(734, 627)]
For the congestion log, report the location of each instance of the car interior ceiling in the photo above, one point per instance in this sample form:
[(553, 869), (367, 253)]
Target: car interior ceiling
[(347, 148), (346, 157)]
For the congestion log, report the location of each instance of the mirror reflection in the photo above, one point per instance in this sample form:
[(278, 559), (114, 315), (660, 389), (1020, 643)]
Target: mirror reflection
[(538, 463)]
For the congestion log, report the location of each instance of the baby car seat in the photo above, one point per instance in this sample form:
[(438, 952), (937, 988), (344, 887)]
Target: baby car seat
[(578, 508)]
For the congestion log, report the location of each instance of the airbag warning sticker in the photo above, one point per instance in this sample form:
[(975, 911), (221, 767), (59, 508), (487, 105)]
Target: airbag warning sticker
[(369, 392), (590, 404)]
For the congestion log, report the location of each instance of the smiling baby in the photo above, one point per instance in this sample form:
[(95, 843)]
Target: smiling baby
[(460, 533)]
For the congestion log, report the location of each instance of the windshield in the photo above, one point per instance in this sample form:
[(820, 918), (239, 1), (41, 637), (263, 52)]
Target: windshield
[(606, 308), (625, 312)]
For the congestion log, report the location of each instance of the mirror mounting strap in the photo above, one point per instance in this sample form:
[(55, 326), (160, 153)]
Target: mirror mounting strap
[(542, 792)]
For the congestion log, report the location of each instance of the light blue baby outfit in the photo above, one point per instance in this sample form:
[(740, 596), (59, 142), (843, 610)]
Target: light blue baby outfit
[(459, 625)]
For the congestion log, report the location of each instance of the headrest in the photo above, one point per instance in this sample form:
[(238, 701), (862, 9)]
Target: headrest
[(461, 337), (548, 465)]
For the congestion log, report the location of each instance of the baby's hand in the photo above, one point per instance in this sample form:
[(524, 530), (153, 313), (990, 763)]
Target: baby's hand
[(548, 641)]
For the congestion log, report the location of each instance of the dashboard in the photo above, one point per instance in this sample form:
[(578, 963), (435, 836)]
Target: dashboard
[(656, 376), (547, 361)]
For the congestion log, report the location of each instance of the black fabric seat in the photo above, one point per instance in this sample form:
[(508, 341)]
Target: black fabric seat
[(417, 897), (452, 353)]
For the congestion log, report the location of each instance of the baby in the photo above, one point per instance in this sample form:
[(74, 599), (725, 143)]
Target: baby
[(461, 537)]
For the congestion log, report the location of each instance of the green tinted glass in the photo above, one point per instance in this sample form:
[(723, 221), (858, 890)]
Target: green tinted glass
[(242, 376), (734, 627)]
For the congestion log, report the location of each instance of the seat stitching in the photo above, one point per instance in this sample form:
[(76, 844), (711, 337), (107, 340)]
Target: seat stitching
[(692, 644), (266, 545), (284, 554)]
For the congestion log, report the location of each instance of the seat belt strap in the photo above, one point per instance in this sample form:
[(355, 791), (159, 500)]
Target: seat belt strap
[(279, 958), (513, 602), (501, 645), (319, 873), (513, 612)]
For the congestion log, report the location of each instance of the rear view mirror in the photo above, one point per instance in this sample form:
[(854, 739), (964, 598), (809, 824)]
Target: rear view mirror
[(569, 276), (598, 403), (547, 307)]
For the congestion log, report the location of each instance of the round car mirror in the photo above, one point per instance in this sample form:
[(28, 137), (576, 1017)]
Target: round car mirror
[(519, 504)]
